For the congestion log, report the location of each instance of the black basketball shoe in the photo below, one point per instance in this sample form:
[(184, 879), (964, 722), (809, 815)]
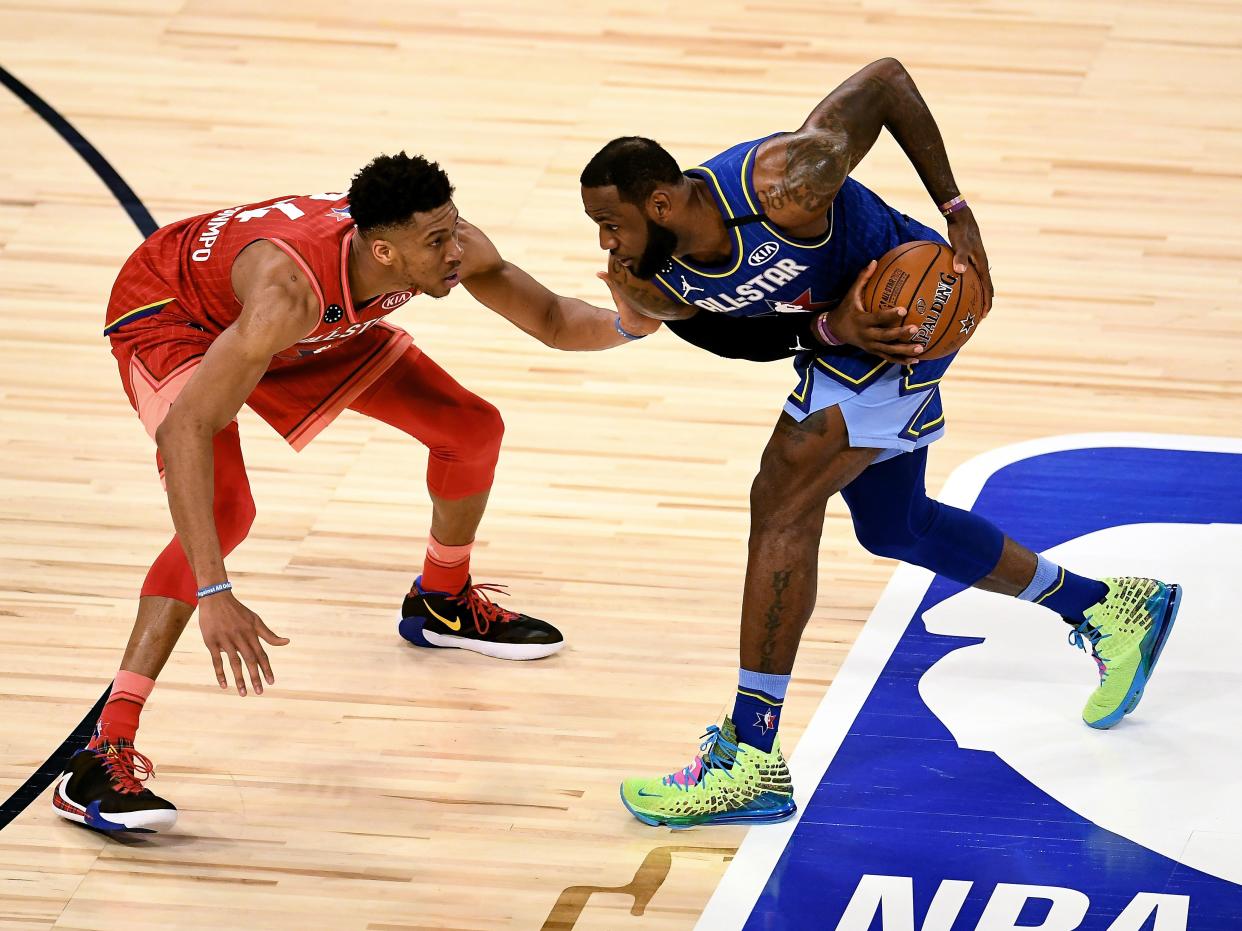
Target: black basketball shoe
[(470, 620), (103, 790)]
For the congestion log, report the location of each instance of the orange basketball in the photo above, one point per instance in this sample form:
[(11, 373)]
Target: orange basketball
[(945, 306)]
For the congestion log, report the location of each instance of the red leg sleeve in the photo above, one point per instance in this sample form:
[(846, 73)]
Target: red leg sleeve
[(462, 431), (170, 575)]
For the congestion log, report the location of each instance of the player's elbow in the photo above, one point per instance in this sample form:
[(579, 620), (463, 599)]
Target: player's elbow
[(189, 425), (557, 332), (177, 424), (889, 70)]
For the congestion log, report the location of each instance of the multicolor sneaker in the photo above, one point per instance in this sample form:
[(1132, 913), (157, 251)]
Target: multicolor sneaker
[(470, 620), (1127, 631), (730, 782), (103, 790)]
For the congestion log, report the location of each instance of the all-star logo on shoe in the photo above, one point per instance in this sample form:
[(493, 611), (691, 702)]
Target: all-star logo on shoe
[(103, 790), (470, 620)]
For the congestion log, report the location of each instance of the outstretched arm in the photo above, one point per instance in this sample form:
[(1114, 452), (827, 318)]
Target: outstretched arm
[(841, 130), (559, 322)]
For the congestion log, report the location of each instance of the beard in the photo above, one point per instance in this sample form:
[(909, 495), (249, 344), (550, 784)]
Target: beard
[(661, 244)]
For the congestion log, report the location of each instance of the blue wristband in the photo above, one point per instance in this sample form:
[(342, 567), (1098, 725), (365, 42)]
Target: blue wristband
[(624, 332), (215, 589)]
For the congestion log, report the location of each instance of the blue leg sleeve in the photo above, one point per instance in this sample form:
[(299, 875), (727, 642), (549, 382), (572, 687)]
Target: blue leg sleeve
[(893, 517)]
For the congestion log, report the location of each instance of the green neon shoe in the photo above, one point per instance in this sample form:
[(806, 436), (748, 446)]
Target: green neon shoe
[(729, 783), (1126, 631)]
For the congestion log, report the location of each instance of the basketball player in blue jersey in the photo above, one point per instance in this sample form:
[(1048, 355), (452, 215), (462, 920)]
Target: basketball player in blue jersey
[(762, 253)]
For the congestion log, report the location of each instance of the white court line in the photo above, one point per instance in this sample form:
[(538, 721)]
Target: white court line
[(744, 880)]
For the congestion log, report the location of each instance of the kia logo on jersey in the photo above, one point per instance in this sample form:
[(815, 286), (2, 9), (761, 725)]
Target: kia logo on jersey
[(762, 253), (393, 301)]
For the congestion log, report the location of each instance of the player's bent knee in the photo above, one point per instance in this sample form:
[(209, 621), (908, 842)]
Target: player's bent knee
[(235, 516), (887, 542), (886, 534), (782, 501), (466, 463), (481, 430)]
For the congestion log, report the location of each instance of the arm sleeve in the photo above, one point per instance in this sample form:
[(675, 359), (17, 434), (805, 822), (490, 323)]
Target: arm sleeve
[(758, 339)]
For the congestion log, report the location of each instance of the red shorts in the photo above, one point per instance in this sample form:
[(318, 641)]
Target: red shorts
[(298, 398)]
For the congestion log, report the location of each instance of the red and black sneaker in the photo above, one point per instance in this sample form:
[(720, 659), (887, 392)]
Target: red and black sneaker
[(103, 790), (470, 620)]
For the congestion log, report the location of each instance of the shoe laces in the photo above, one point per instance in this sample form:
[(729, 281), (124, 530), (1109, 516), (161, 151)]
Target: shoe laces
[(1085, 634), (485, 611), (716, 754), (127, 768)]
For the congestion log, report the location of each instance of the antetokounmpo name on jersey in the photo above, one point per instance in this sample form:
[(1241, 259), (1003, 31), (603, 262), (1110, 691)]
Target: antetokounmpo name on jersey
[(211, 232), (753, 290)]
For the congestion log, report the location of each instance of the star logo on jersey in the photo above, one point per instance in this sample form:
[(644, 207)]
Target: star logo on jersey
[(766, 721), (801, 303), (333, 313), (968, 323), (340, 213)]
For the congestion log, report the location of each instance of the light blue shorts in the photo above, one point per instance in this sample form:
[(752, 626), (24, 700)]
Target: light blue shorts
[(898, 412)]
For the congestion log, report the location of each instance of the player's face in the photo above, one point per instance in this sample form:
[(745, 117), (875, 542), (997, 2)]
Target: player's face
[(639, 243), (426, 253)]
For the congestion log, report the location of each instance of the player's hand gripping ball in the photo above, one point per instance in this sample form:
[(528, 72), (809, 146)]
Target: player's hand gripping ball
[(944, 305)]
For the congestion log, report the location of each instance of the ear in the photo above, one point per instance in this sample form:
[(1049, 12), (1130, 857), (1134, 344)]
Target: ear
[(382, 251), (659, 204)]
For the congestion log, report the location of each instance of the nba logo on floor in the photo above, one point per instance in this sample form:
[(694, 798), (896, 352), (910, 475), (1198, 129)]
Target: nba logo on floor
[(946, 781)]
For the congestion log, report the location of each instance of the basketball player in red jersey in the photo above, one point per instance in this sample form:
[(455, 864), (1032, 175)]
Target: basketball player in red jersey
[(280, 305)]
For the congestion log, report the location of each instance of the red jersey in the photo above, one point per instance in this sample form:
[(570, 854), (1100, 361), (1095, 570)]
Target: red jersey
[(182, 274)]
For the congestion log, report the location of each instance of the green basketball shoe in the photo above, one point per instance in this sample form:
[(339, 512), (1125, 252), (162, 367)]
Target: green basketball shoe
[(729, 782), (1126, 631)]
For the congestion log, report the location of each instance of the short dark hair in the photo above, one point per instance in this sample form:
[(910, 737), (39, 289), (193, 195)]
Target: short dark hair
[(636, 166), (390, 189)]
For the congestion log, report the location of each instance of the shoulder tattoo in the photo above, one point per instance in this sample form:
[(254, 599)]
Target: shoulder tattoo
[(815, 168)]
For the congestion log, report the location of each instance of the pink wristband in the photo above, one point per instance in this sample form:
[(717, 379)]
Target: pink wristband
[(951, 206), (826, 336)]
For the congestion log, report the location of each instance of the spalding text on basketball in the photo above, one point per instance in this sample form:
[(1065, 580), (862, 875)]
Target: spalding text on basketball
[(944, 291)]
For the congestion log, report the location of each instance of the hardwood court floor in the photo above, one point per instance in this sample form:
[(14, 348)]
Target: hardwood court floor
[(376, 788)]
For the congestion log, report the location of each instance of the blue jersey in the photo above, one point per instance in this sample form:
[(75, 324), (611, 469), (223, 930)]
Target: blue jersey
[(769, 271)]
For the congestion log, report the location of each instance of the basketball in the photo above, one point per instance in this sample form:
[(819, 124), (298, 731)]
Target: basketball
[(945, 306)]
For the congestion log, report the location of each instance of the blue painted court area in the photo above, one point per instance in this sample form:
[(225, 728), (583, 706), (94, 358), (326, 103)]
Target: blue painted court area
[(967, 794)]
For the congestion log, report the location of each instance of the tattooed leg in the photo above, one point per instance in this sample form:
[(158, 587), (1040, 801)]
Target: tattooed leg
[(803, 466)]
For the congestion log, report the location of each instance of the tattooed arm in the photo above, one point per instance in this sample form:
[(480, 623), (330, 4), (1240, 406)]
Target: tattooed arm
[(634, 294), (798, 175)]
